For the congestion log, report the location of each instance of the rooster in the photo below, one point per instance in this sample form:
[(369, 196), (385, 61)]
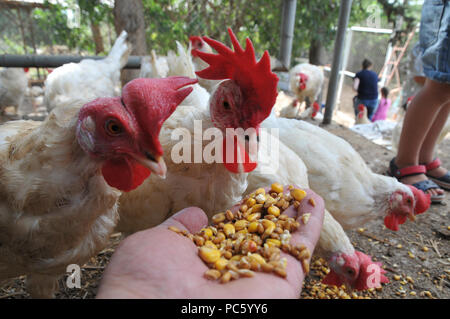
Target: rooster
[(362, 118), (13, 86), (306, 81), (243, 99), (60, 180), (88, 79)]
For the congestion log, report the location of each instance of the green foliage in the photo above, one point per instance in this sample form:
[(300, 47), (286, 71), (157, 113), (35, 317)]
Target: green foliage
[(54, 20), (171, 20)]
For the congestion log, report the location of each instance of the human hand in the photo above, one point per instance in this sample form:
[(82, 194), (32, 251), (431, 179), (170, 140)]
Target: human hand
[(158, 263)]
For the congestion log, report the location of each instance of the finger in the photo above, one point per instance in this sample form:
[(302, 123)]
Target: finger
[(192, 219), (308, 234)]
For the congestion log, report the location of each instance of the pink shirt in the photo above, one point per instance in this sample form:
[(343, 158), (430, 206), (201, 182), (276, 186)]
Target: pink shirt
[(381, 112)]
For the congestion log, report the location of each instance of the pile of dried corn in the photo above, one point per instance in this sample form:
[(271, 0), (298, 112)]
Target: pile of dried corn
[(314, 289), (252, 238)]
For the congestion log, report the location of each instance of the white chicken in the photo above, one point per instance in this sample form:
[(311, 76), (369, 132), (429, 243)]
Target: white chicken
[(362, 118), (153, 66), (306, 81), (13, 86), (88, 79), (199, 45), (312, 113), (351, 191), (61, 178)]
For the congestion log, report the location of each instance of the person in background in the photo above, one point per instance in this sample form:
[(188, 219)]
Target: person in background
[(429, 109), (366, 84), (383, 106)]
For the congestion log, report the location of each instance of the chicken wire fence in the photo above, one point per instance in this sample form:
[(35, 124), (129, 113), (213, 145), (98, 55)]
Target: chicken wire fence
[(363, 43)]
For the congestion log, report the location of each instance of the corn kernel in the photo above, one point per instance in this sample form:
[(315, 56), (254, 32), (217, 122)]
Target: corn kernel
[(236, 258), (277, 187), (257, 258), (240, 224), (253, 227), (209, 255), (273, 210), (397, 277), (253, 217), (425, 248), (260, 198), (212, 274), (210, 244), (229, 214), (218, 218), (250, 202), (229, 230), (298, 194), (305, 218), (243, 208), (207, 232), (221, 263), (260, 191), (273, 242)]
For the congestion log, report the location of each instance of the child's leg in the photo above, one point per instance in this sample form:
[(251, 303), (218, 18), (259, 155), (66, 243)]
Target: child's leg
[(418, 123), (427, 152)]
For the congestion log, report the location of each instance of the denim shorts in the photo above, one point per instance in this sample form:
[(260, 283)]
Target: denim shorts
[(371, 106), (435, 40)]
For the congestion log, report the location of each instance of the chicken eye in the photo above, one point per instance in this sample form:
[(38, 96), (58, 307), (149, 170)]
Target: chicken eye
[(113, 128), (350, 271), (226, 105)]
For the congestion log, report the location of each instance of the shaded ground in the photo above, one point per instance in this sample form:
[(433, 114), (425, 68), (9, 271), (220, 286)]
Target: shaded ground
[(403, 252)]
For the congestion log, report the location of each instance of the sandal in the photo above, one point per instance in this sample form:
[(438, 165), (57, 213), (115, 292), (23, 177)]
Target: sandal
[(425, 185), (443, 181)]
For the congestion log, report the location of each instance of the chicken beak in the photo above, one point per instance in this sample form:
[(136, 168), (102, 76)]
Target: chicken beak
[(157, 166), (412, 217)]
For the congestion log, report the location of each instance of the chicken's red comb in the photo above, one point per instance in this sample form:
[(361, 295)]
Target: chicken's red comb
[(152, 101), (193, 38), (256, 80)]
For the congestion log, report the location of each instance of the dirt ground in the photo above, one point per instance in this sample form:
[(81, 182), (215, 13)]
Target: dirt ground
[(419, 251)]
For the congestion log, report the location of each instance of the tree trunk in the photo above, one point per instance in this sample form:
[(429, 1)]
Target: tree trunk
[(98, 39), (316, 52), (129, 15)]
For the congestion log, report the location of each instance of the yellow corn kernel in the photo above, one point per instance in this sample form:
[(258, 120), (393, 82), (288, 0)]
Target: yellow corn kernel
[(243, 208), (257, 258), (229, 230), (268, 224), (221, 263), (257, 208), (253, 217), (236, 258), (425, 248), (210, 244), (250, 202), (273, 210), (397, 277), (209, 255), (298, 194), (277, 187), (260, 198), (260, 191), (208, 232), (212, 274), (253, 227), (240, 224), (243, 231), (273, 242), (218, 218), (305, 218)]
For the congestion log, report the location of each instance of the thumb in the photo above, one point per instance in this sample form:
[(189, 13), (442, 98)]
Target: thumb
[(192, 219)]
